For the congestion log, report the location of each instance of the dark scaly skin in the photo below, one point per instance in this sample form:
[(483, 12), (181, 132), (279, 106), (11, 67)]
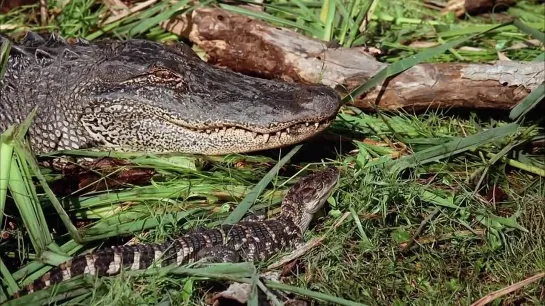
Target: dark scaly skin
[(138, 95), (244, 241)]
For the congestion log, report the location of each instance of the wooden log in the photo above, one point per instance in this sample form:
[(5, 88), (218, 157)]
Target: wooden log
[(475, 7), (6, 6), (253, 47)]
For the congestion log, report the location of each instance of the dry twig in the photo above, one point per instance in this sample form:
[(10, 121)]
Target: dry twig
[(420, 229), (43, 13), (129, 11), (504, 291)]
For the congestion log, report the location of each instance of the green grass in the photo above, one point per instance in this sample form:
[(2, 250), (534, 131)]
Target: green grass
[(467, 184)]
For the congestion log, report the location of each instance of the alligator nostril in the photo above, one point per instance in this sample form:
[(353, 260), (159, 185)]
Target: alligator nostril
[(321, 99), (325, 91)]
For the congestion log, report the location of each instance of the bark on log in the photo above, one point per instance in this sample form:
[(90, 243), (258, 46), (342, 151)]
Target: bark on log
[(253, 47), (6, 6), (475, 7)]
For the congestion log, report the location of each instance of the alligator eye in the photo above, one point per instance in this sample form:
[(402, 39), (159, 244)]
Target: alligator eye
[(164, 74), (307, 193)]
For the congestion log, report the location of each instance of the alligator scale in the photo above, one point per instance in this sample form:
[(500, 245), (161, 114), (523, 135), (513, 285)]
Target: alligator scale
[(138, 95), (244, 241)]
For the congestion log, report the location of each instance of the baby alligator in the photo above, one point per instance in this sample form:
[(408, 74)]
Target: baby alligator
[(245, 241)]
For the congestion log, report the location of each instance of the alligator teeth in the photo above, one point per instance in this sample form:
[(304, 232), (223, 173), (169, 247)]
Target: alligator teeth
[(307, 124), (208, 131), (316, 125), (287, 130), (266, 137), (217, 130)]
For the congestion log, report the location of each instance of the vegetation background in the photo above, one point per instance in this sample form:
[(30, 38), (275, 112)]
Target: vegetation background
[(439, 208)]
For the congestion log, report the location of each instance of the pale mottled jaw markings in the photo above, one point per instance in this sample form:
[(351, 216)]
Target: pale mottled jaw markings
[(265, 136)]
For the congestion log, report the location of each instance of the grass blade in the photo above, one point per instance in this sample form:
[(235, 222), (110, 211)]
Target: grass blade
[(250, 198), (220, 270), (98, 233), (21, 188), (4, 56), (269, 18), (355, 26), (6, 154), (528, 103), (539, 58), (55, 293), (6, 149), (313, 294), (147, 24), (327, 16), (7, 279), (529, 30), (36, 269), (346, 15), (482, 28), (451, 148), (23, 191), (72, 230)]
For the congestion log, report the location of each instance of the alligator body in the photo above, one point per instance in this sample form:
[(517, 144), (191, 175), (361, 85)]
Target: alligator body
[(138, 95), (244, 241)]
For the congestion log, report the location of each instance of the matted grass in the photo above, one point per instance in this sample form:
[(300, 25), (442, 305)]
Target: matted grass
[(432, 209)]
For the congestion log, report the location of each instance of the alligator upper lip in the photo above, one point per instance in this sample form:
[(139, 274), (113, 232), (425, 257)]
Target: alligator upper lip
[(259, 130)]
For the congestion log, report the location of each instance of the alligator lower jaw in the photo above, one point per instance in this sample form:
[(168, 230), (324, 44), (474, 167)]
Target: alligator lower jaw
[(298, 128), (220, 142)]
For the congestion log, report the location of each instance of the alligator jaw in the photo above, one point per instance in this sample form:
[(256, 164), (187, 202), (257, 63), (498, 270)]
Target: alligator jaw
[(248, 141), (223, 113), (158, 134)]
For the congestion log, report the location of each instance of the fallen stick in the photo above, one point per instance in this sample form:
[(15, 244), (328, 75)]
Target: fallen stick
[(419, 231), (514, 287), (253, 47)]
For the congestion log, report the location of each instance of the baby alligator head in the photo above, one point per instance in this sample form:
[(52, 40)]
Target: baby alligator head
[(308, 196), (150, 97)]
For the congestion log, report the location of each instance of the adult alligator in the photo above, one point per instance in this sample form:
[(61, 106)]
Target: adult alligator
[(139, 95), (244, 241)]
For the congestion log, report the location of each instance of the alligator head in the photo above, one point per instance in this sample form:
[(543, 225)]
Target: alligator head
[(138, 95), (307, 196)]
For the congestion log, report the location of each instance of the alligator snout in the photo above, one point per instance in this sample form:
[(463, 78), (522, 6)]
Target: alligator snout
[(326, 99)]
